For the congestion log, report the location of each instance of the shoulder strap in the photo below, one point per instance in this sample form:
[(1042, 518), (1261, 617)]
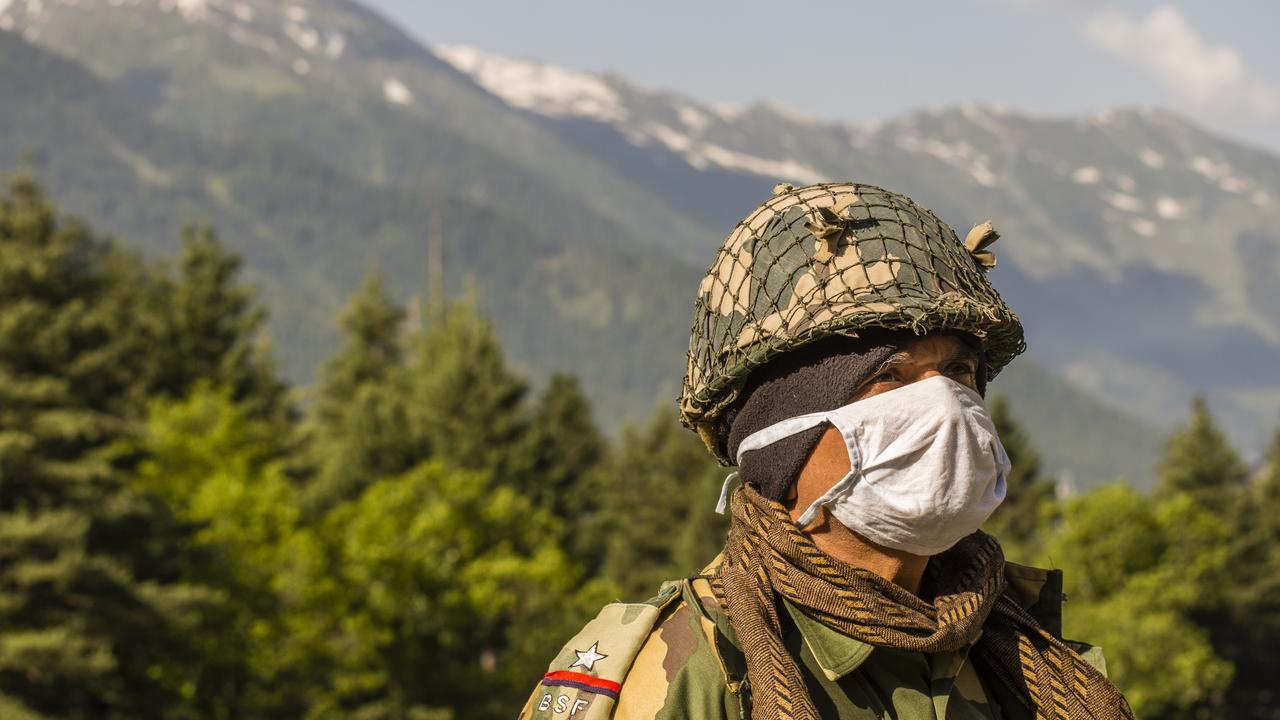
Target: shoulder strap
[(583, 681)]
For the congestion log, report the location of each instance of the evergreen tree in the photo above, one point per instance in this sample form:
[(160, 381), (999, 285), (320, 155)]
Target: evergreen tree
[(221, 470), (1244, 622), (564, 448), (659, 492), (85, 634), (454, 592), (1136, 571), (1028, 504), (1268, 488), (360, 424), (1198, 460), (214, 326), (1240, 612), (467, 403)]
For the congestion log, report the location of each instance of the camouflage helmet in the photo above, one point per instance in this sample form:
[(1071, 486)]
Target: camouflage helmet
[(832, 259)]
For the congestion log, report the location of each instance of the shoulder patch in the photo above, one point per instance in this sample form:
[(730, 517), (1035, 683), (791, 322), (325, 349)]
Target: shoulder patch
[(583, 681)]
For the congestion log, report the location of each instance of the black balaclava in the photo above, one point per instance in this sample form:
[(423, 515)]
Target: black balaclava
[(823, 375)]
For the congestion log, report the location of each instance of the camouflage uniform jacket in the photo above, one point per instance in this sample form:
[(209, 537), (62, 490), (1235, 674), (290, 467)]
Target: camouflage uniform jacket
[(675, 657)]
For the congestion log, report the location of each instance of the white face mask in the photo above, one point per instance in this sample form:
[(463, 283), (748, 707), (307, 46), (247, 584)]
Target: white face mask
[(925, 465)]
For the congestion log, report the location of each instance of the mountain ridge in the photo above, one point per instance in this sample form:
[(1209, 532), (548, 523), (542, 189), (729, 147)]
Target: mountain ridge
[(544, 329), (1122, 205)]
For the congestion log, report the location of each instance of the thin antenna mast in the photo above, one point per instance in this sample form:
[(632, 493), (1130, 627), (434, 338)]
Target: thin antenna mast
[(435, 254)]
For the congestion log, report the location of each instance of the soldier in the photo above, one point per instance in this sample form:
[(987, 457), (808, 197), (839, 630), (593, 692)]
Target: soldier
[(841, 346)]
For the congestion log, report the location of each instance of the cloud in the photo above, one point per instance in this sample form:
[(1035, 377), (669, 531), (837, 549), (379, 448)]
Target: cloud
[(1206, 80)]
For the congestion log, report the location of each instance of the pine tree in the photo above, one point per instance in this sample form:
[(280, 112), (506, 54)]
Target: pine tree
[(1198, 460), (467, 402), (1245, 623), (659, 490), (214, 329), (1136, 569), (1268, 487), (1028, 497), (1240, 612), (84, 630), (221, 470), (454, 592), (564, 448), (360, 424)]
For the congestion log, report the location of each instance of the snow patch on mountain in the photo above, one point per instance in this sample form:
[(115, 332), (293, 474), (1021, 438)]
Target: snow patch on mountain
[(703, 155), (1168, 208), (1144, 227), (396, 92), (1220, 173), (336, 45), (960, 155), (693, 118), (683, 128), (791, 115), (1151, 158), (543, 89), (1087, 175), (1121, 201), (304, 37), (990, 118)]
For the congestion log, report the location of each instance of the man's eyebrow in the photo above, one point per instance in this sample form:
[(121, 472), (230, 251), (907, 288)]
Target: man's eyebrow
[(893, 360), (966, 353)]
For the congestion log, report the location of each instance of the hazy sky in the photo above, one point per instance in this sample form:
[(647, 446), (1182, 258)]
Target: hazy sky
[(1217, 62)]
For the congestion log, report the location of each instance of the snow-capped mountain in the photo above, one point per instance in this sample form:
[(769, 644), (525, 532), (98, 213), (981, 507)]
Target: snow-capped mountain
[(1148, 175), (1143, 251)]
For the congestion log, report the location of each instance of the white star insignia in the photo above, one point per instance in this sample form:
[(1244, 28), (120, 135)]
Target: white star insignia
[(587, 658)]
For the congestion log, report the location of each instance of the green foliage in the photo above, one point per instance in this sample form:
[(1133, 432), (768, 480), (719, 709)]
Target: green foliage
[(564, 448), (214, 329), (1242, 615), (1181, 589), (453, 589), (1029, 498), (466, 401), (657, 519), (1199, 460), (1135, 570), (1268, 492), (219, 469), (360, 420), (87, 619)]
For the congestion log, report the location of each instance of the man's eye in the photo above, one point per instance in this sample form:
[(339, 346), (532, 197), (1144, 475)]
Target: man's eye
[(883, 377), (962, 369)]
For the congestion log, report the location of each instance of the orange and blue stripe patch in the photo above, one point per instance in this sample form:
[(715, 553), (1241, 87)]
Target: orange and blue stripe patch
[(580, 681)]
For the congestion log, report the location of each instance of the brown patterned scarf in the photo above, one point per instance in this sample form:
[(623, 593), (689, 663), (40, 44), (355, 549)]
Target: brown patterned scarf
[(766, 554)]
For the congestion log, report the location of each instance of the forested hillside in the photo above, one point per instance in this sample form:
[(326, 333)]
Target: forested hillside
[(562, 293)]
